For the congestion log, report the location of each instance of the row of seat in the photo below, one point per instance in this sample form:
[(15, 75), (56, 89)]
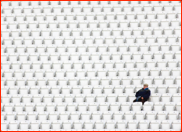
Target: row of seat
[(93, 107), (96, 130), (90, 65), (142, 41), (162, 89), (95, 33), (91, 16), (104, 81), (89, 40), (89, 73), (91, 24), (51, 49), (88, 9), (98, 125), (124, 56), (127, 115), (85, 3), (99, 98)]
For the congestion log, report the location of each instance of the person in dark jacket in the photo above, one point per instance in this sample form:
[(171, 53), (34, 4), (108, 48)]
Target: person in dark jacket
[(143, 94)]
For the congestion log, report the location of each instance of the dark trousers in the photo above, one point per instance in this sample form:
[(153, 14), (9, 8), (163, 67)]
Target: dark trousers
[(140, 100)]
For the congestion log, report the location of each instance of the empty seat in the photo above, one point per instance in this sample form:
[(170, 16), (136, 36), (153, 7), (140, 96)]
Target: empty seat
[(176, 125), (154, 125), (99, 125), (176, 98)]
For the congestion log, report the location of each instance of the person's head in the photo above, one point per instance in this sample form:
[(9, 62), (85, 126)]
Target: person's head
[(145, 86)]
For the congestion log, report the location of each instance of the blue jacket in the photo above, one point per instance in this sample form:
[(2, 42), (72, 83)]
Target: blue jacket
[(145, 93)]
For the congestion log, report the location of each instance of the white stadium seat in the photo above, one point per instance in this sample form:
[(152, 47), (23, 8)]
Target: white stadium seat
[(151, 115)]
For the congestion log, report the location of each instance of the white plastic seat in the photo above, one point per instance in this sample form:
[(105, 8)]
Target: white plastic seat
[(177, 81), (79, 98), (90, 98), (74, 116), (132, 124), (93, 108), (178, 107), (174, 23), (6, 66), (79, 17), (131, 98), (4, 91), (59, 73), (85, 116), (66, 89), (108, 90), (176, 98), (95, 57), (136, 106), (26, 99), (84, 57), (34, 125), (61, 107), (148, 106), (20, 116), (82, 107), (77, 125), (94, 81), (13, 125), (82, 24), (110, 125), (106, 116), (63, 116), (154, 125), (5, 3), (10, 82), (125, 106), (88, 125), (7, 108), (15, 99), (55, 90), (8, 74), (67, 125), (105, 81), (24, 125), (71, 107), (83, 81), (105, 57), (161, 115), (100, 98), (140, 115), (6, 99), (118, 116), (158, 106), (129, 89), (128, 115), (151, 115), (37, 99), (29, 108), (42, 116), (93, 25), (67, 65), (129, 64), (176, 125), (108, 65), (76, 90), (99, 125), (169, 106), (101, 73)]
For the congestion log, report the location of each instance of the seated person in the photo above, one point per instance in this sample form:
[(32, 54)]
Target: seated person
[(143, 94)]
